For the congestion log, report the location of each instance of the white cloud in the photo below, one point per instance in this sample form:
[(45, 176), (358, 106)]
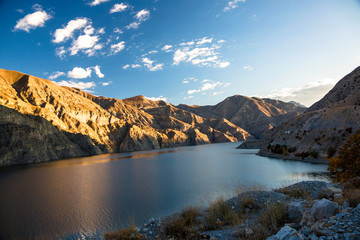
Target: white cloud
[(204, 40), (188, 97), (126, 66), (134, 25), (101, 31), (87, 43), (221, 41), (149, 64), (233, 4), (62, 34), (118, 30), (115, 48), (140, 17), (157, 98), (185, 81), (135, 65), (193, 91), (224, 64), (187, 43), (81, 85), (56, 74), (166, 47), (143, 15), (307, 94), (97, 2), (79, 72), (206, 85), (60, 52), (98, 71), (217, 93), (249, 68), (119, 7), (33, 20), (106, 83), (203, 53)]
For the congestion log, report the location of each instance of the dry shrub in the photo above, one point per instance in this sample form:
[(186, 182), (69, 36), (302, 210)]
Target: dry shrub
[(353, 195), (295, 192), (182, 226), (245, 187), (346, 166), (221, 213), (273, 218), (129, 233)]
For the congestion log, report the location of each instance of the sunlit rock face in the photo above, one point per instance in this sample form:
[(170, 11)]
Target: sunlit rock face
[(254, 115), (326, 125), (43, 121)]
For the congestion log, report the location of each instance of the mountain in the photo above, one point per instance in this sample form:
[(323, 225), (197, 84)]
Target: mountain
[(255, 115), (324, 127), (42, 121)]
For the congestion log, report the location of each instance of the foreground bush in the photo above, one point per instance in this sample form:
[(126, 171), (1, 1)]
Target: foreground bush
[(129, 233), (221, 213), (347, 165), (183, 225)]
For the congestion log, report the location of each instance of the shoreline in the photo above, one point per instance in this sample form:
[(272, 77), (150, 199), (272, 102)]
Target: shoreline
[(294, 158), (313, 209)]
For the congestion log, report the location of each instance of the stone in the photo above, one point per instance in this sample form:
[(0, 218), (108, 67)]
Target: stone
[(330, 191), (324, 209), (286, 233), (338, 197), (144, 230), (296, 211), (151, 221)]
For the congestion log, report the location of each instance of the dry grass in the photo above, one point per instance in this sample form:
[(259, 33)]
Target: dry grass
[(246, 187), (270, 221), (221, 213), (182, 226), (129, 233), (353, 195), (295, 193)]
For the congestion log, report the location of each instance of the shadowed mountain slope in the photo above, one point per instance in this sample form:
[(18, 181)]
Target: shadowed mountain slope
[(324, 127)]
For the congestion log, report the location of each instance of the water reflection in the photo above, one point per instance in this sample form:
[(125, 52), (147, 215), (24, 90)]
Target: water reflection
[(92, 195)]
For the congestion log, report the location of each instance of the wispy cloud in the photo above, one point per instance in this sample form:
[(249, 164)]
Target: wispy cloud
[(233, 4), (33, 20), (56, 74), (119, 7), (98, 71), (201, 53), (207, 85), (149, 64), (97, 2), (166, 48), (140, 17), (67, 32), (157, 98), (248, 68), (307, 94), (115, 48), (75, 84)]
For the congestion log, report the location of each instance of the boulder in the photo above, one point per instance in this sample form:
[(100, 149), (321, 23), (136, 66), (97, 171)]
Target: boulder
[(296, 211), (324, 209), (286, 233)]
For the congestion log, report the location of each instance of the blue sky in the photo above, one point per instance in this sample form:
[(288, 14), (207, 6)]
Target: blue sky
[(185, 51)]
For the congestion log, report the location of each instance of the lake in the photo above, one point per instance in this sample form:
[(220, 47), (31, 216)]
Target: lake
[(85, 197)]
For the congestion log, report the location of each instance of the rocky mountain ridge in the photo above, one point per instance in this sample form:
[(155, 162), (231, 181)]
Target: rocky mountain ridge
[(62, 116)]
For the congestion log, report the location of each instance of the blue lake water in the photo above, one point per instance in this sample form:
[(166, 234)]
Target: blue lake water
[(85, 197)]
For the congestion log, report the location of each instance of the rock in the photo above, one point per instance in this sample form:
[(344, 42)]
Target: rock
[(151, 221), (296, 211), (324, 209), (331, 190), (249, 231), (338, 197), (144, 230), (287, 233), (345, 205)]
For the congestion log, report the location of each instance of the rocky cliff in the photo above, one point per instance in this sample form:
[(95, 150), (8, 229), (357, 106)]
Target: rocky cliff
[(255, 115), (41, 121), (323, 128)]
